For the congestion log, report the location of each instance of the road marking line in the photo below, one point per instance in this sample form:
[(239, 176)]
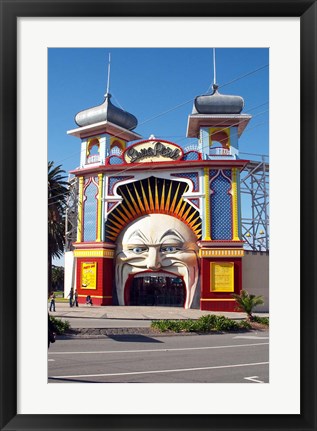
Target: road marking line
[(51, 360), (253, 379), (251, 337), (159, 371), (158, 350)]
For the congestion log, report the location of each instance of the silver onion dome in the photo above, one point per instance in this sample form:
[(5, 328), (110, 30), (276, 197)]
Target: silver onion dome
[(217, 103), (106, 112)]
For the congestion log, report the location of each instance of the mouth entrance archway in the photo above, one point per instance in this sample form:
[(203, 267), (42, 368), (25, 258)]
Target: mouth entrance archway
[(159, 291)]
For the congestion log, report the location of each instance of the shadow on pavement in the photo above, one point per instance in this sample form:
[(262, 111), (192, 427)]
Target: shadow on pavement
[(134, 338), (61, 380)]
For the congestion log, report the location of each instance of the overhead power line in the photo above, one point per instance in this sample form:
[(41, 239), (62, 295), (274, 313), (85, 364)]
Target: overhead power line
[(148, 168), (184, 103)]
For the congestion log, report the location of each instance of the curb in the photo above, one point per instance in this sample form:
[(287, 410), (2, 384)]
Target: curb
[(105, 332)]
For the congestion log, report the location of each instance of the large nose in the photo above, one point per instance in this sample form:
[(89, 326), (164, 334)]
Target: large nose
[(154, 260)]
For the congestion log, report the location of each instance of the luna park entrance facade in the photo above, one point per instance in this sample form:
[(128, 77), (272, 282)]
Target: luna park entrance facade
[(160, 291)]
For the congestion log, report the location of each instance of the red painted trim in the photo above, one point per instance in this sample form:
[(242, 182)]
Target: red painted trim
[(93, 244), (222, 306), (174, 165), (206, 293), (104, 280), (221, 240)]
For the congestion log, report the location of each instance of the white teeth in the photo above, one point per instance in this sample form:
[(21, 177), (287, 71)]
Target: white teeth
[(154, 274)]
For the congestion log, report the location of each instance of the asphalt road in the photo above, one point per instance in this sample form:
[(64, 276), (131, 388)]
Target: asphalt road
[(216, 358)]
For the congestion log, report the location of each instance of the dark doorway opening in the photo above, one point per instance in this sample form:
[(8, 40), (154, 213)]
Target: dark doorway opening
[(158, 291)]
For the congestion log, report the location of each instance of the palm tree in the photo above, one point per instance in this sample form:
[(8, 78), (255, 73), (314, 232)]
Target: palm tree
[(57, 195), (247, 302), (57, 277)]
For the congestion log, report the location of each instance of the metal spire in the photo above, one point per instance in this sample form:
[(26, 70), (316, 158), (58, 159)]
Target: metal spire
[(108, 79), (214, 62)]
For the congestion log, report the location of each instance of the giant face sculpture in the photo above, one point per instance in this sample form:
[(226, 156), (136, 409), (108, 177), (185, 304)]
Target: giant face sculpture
[(156, 244)]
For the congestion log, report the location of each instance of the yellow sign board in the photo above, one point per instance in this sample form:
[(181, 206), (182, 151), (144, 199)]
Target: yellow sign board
[(222, 277), (89, 275)]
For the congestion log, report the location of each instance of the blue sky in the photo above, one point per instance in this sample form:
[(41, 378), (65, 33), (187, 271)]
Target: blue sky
[(156, 85)]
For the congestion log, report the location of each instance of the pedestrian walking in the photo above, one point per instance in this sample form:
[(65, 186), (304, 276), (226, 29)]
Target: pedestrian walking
[(52, 303), (76, 298), (71, 295)]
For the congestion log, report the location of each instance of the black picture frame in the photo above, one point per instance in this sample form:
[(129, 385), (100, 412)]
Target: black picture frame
[(10, 11)]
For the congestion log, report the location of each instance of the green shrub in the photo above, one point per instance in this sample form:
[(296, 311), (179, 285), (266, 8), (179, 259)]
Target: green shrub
[(207, 323), (263, 320), (189, 325), (224, 324), (204, 324), (61, 326), (211, 322), (175, 326), (165, 325), (244, 324)]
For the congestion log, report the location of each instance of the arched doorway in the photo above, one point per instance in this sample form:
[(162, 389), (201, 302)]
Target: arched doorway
[(157, 290)]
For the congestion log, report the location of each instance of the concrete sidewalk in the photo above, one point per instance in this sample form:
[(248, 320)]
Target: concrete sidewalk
[(63, 310)]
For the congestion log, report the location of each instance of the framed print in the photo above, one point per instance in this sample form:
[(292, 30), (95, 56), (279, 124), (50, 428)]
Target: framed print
[(28, 30)]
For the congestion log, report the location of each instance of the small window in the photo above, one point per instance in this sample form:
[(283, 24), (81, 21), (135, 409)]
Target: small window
[(117, 147), (93, 151), (219, 142)]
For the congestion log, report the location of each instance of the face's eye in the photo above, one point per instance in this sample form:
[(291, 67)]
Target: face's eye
[(169, 249), (138, 249)]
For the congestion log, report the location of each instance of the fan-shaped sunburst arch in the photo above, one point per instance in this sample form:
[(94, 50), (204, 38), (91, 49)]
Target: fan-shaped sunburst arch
[(152, 195)]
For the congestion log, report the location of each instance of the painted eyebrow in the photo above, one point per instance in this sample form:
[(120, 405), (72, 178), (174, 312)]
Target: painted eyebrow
[(138, 234), (172, 232)]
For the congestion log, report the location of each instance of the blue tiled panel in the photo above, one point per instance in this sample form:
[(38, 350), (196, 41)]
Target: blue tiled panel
[(214, 172), (227, 173), (90, 213), (191, 155), (193, 176), (221, 212), (113, 181), (114, 160)]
